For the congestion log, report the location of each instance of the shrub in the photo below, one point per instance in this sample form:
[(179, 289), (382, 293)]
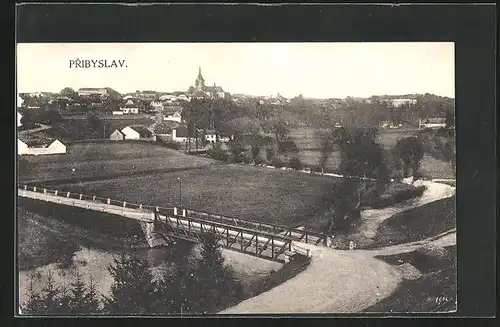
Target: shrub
[(218, 153), (295, 163), (277, 162)]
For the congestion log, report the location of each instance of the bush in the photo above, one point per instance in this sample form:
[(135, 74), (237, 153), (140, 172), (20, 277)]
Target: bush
[(277, 162), (295, 163), (217, 153), (385, 200)]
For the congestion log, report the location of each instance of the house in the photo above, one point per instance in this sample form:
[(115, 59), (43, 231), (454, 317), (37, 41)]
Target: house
[(180, 134), (157, 105), (130, 108), (117, 136), (176, 116), (92, 91), (432, 123), (22, 148), (117, 113), (39, 147), (129, 111), (136, 132), (19, 117), (402, 102), (211, 137)]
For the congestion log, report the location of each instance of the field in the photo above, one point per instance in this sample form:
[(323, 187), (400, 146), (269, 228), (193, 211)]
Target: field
[(107, 159), (308, 143), (269, 195), (418, 223)]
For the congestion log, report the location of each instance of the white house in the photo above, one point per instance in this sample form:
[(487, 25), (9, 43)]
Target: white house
[(432, 123), (210, 136), (158, 105), (129, 111), (180, 134), (117, 136), (136, 132), (19, 117), (39, 148), (176, 116), (117, 113), (401, 102), (22, 148)]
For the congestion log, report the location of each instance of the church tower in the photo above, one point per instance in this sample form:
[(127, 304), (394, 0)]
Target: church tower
[(200, 82)]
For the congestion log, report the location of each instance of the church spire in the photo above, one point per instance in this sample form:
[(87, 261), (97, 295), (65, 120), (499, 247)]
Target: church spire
[(199, 73)]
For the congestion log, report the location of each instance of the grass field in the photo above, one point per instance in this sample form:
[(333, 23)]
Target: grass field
[(105, 159), (418, 223), (263, 194), (309, 154), (434, 291)]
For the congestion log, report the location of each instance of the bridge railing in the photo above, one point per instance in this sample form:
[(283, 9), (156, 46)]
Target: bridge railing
[(93, 198), (297, 234)]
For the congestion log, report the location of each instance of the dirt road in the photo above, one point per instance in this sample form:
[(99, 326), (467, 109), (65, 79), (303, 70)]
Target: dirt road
[(344, 281)]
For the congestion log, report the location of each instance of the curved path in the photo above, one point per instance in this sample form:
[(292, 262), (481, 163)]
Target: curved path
[(340, 281)]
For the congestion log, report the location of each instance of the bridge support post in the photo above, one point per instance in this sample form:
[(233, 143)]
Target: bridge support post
[(183, 212), (81, 196), (93, 198), (109, 201), (124, 204), (34, 188), (55, 192), (140, 206), (175, 211), (25, 187), (67, 195), (44, 191)]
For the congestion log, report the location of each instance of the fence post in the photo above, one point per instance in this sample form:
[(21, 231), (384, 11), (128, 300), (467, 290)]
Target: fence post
[(55, 193), (175, 211), (93, 198), (109, 201), (81, 195), (157, 208), (124, 204), (183, 212), (25, 187), (140, 206), (34, 188), (44, 191), (67, 195)]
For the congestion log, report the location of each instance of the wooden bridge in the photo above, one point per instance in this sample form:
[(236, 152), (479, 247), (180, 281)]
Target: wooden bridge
[(268, 241)]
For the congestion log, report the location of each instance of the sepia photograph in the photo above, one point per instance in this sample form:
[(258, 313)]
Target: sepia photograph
[(169, 179)]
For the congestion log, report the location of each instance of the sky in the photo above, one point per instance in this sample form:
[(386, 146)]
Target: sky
[(316, 70)]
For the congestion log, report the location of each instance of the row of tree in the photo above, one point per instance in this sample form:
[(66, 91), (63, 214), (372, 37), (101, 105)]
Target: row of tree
[(186, 288)]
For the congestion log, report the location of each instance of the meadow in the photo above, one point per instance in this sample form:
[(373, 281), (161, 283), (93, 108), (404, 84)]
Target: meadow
[(308, 143), (269, 195), (106, 159)]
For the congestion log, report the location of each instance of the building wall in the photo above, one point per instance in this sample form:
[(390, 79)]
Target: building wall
[(130, 134), (54, 148), (22, 148), (116, 136)]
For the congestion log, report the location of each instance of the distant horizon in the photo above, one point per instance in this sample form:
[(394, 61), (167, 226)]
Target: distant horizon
[(315, 70), (238, 93)]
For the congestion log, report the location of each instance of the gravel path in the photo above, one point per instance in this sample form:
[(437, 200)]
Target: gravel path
[(340, 281)]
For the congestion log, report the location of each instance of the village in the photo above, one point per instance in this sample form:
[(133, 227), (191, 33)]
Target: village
[(201, 200)]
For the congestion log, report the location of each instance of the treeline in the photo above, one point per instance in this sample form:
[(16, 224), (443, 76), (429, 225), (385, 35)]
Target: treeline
[(202, 287)]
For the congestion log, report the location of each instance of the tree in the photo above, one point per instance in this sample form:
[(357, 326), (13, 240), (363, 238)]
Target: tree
[(82, 299), (68, 92), (410, 152), (218, 284), (288, 146), (450, 119), (133, 291), (360, 155), (342, 203)]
